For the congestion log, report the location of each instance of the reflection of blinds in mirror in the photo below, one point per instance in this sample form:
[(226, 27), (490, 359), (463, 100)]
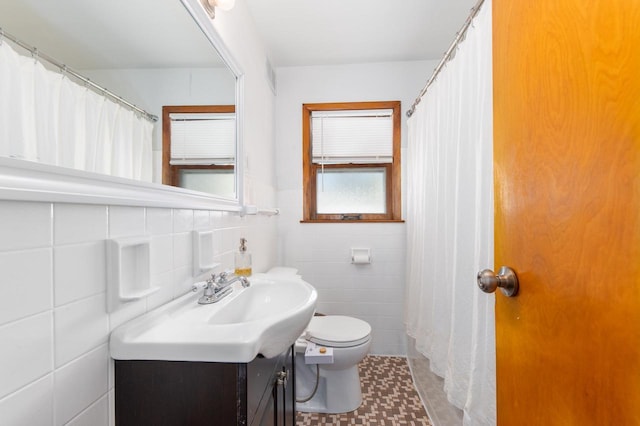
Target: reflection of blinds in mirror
[(352, 136), (203, 139)]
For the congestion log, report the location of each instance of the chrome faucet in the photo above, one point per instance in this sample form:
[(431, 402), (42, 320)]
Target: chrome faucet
[(218, 286)]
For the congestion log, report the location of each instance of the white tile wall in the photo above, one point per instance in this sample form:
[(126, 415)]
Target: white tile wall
[(201, 219), (161, 254), (79, 223), (80, 327), (159, 221), (79, 271), (182, 250), (165, 294), (81, 383), (25, 225), (18, 273), (30, 406), (96, 414), (54, 359), (182, 220), (372, 292), (26, 353), (126, 221)]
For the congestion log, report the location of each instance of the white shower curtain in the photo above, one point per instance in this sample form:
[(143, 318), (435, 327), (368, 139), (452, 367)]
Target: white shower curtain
[(450, 225), (47, 118)]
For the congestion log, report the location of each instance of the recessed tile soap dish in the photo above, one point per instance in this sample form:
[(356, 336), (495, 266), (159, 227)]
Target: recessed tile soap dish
[(203, 252), (128, 271)]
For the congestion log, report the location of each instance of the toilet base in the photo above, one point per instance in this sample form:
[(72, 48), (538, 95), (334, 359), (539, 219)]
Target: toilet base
[(344, 396)]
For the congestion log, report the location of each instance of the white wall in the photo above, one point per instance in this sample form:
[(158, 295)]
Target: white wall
[(238, 31), (321, 251), (54, 359)]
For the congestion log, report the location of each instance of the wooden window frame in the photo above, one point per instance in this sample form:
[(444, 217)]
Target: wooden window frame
[(310, 170), (171, 173)]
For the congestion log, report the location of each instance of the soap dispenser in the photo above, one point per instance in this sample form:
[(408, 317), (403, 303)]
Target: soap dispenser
[(243, 259)]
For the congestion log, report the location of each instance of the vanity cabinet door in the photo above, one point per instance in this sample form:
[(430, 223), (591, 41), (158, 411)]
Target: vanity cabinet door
[(260, 385), (174, 393), (277, 405), (269, 416), (288, 405), (284, 393)]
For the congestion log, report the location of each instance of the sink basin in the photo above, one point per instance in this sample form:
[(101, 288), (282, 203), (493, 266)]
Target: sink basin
[(264, 318)]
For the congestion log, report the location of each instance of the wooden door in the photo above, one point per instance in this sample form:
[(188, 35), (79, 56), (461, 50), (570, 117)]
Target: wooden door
[(567, 190)]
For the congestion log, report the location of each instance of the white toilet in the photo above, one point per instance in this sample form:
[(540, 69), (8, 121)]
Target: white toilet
[(334, 387), (338, 383)]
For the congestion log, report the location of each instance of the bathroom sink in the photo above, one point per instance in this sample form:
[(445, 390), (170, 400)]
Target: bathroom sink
[(264, 318), (259, 303)]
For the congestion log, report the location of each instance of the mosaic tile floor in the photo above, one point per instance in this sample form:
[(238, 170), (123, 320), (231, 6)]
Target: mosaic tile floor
[(388, 398)]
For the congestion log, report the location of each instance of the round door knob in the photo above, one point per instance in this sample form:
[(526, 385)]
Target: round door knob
[(506, 279)]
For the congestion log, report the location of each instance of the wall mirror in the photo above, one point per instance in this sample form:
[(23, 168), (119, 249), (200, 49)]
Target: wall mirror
[(150, 53)]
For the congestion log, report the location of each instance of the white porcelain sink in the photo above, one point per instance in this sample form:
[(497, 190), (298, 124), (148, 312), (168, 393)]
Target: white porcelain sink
[(264, 318)]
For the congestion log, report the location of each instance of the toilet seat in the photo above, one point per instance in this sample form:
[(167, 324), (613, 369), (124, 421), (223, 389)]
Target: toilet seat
[(338, 331)]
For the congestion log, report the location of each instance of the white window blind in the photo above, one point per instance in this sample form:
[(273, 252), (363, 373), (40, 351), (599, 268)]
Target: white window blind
[(203, 138), (352, 136)]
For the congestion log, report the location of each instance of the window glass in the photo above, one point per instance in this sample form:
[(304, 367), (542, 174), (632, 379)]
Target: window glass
[(351, 191), (219, 182)]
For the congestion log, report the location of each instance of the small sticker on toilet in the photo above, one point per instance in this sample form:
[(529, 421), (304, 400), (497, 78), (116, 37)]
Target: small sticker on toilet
[(316, 354)]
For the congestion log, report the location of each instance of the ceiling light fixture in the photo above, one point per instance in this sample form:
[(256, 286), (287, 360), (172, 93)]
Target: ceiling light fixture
[(210, 6)]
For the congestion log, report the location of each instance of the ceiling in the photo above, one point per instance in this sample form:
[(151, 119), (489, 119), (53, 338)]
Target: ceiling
[(99, 34), (88, 34), (325, 32)]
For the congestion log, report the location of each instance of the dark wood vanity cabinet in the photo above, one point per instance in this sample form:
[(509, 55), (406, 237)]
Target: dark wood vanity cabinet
[(174, 393)]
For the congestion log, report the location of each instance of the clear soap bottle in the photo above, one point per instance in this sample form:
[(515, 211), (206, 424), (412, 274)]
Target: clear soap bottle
[(243, 259)]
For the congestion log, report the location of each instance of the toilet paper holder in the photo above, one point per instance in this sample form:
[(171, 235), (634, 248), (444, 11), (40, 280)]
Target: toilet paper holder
[(360, 256)]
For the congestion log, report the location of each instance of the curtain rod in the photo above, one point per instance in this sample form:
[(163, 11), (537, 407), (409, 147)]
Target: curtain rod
[(449, 54), (66, 70)]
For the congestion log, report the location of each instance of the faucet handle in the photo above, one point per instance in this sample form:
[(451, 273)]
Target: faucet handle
[(244, 280)]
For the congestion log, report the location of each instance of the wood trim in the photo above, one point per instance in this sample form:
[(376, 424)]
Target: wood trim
[(396, 172), (393, 184), (338, 106), (170, 175), (308, 184)]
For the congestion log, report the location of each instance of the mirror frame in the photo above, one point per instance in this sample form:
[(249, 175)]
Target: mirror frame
[(29, 181)]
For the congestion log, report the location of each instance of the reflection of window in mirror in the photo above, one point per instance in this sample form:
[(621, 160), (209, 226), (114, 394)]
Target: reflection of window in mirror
[(198, 148)]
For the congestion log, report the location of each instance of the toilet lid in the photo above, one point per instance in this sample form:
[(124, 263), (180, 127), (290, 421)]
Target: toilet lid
[(338, 331)]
